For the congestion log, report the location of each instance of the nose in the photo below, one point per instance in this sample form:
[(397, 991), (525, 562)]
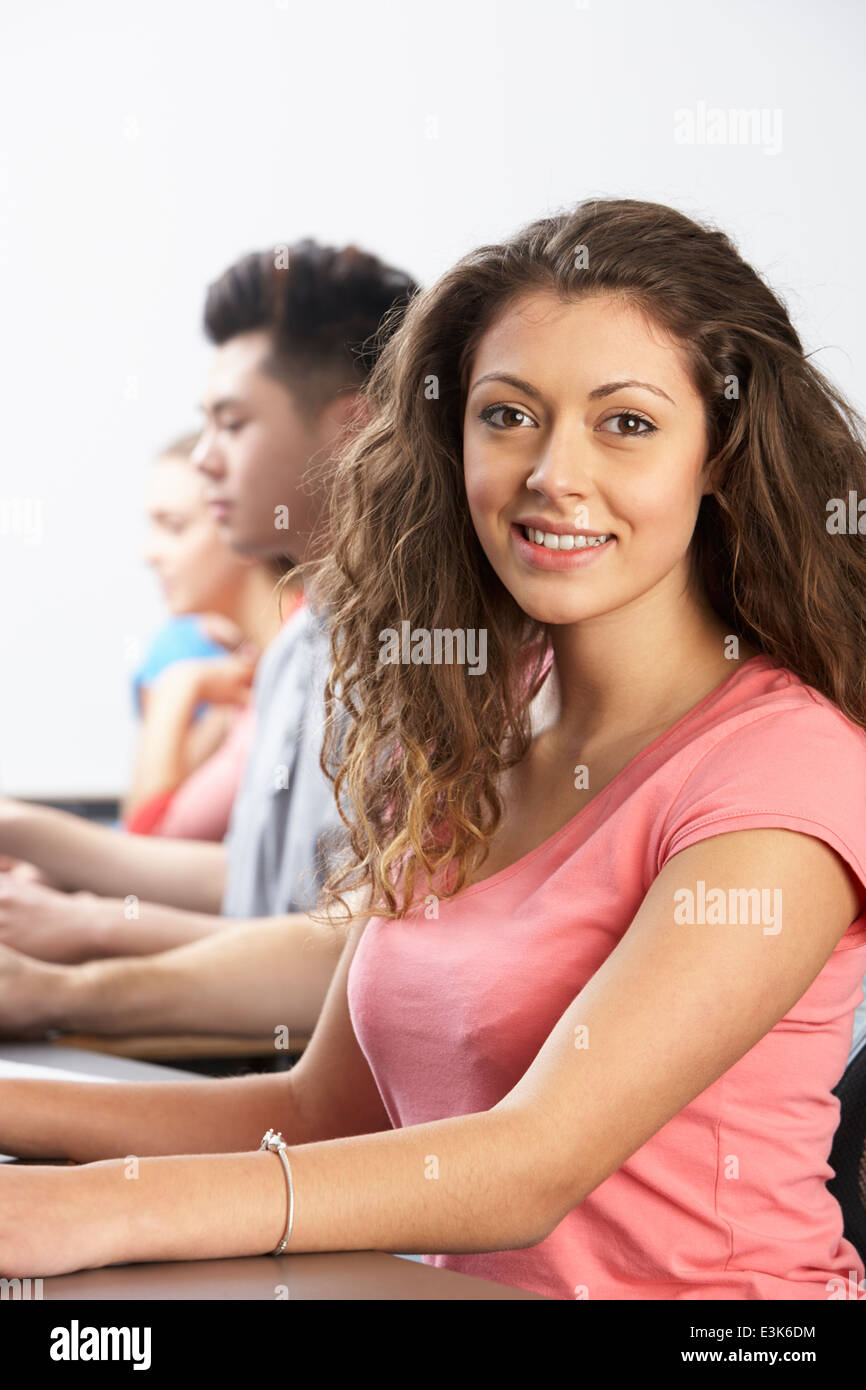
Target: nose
[(205, 456), (151, 553), (563, 467)]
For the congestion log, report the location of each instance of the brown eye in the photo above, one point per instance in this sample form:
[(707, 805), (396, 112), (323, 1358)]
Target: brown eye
[(514, 418), (637, 425)]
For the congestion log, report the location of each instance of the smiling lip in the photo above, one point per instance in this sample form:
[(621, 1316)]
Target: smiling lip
[(557, 528), (219, 506), (540, 558)]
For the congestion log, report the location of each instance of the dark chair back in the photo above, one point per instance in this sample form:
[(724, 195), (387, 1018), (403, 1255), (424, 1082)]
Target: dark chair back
[(848, 1155)]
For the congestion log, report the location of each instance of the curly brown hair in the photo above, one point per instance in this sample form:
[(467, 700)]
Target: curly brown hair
[(415, 753)]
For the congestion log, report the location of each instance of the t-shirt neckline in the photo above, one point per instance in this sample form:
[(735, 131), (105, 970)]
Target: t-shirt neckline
[(551, 840)]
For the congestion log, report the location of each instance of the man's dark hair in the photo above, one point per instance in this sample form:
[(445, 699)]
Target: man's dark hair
[(328, 312)]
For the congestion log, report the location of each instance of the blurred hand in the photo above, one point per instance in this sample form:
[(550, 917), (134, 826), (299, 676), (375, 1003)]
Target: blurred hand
[(227, 681), (23, 872), (211, 680), (46, 924), (221, 629)]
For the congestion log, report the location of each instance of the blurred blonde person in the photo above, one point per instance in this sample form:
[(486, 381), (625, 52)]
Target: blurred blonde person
[(197, 719)]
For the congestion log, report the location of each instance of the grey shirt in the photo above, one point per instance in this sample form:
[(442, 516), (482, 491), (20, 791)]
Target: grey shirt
[(859, 1038), (284, 824)]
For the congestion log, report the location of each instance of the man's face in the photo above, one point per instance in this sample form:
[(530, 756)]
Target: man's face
[(254, 451)]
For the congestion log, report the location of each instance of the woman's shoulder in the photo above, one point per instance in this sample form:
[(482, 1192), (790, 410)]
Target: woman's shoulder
[(176, 640), (768, 750), (784, 709)]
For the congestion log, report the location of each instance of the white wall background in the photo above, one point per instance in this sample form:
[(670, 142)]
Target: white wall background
[(144, 147)]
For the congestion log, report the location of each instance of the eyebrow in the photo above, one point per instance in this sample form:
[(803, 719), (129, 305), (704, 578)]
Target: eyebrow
[(224, 403), (607, 389)]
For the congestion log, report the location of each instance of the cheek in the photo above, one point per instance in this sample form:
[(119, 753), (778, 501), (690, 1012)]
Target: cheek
[(241, 469), (271, 479), (249, 462), (487, 488), (201, 548), (173, 552), (660, 503)]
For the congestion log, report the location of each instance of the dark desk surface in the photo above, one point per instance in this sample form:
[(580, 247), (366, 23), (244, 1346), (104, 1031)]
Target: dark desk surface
[(364, 1274), (358, 1274)]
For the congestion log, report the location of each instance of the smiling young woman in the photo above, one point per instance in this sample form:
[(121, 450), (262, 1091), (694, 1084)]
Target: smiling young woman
[(529, 1067), (623, 477)]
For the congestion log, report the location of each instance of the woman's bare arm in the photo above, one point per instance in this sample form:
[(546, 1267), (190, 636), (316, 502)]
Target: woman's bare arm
[(171, 742), (86, 1120), (330, 1091), (669, 1011), (77, 854)]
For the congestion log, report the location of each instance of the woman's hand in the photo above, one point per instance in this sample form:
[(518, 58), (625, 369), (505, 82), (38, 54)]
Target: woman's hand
[(221, 629), (132, 1210), (210, 680), (54, 1220)]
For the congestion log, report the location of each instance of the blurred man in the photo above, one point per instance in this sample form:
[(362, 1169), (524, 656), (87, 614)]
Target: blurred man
[(293, 344)]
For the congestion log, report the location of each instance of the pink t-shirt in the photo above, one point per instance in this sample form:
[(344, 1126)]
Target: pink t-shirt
[(451, 1012), (202, 805)]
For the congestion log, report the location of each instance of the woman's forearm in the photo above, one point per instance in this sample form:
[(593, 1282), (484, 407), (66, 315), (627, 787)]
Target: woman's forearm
[(160, 763), (471, 1183), (86, 1120), (76, 854)]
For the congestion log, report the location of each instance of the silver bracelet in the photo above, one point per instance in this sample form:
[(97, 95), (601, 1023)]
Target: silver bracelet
[(276, 1144)]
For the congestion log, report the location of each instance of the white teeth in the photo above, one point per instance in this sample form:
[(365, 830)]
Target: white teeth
[(551, 541)]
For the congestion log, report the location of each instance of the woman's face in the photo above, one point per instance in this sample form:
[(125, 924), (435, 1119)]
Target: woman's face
[(557, 440), (197, 571)]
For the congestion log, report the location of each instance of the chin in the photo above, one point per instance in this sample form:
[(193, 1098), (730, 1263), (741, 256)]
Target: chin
[(550, 609), (253, 547), (553, 616)]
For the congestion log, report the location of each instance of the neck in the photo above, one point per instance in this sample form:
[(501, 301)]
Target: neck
[(257, 608), (637, 669)]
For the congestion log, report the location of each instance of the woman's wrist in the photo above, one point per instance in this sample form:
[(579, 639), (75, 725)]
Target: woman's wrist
[(190, 1207), (57, 1220), (178, 688), (106, 1190)]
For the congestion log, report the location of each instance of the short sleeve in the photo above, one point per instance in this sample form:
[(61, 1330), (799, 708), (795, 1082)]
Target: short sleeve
[(179, 639), (146, 819), (800, 768)]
